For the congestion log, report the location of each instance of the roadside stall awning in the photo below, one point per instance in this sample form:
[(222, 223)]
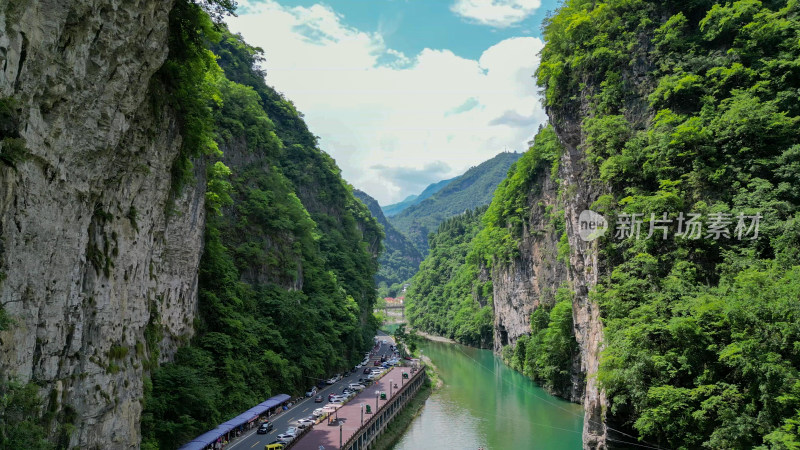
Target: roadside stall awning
[(209, 437)]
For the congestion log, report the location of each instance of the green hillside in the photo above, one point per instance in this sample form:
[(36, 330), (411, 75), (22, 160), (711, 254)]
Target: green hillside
[(399, 260), (286, 279), (468, 191), (396, 208), (447, 297)]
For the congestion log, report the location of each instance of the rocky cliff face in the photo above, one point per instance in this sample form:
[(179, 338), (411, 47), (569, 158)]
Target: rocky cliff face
[(97, 259), (532, 278), (584, 267)]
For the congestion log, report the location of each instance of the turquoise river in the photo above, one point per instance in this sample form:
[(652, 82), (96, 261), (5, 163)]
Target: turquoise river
[(483, 403)]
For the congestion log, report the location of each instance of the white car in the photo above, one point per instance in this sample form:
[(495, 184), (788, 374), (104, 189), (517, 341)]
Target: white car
[(356, 386), (332, 381), (292, 430), (305, 422), (285, 437), (338, 399), (318, 412)]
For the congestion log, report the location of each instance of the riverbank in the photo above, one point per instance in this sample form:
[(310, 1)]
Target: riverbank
[(435, 338)]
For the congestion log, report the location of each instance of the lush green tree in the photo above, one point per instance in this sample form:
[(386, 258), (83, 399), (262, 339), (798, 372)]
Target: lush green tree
[(446, 296), (20, 417), (690, 107), (286, 284)]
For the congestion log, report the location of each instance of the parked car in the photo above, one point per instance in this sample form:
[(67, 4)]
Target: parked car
[(332, 381), (347, 391), (318, 399), (317, 412), (321, 384), (264, 428), (356, 386), (275, 445), (292, 430), (312, 392), (377, 362), (367, 370), (285, 438), (306, 422)]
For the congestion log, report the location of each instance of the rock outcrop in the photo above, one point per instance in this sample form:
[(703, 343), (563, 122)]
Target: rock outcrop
[(584, 267), (532, 278), (98, 258)]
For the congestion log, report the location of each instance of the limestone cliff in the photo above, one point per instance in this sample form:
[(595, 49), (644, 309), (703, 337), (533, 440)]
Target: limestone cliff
[(97, 257), (531, 278), (584, 267)]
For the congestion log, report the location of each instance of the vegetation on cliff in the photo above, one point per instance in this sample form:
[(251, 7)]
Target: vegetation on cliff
[(692, 109), (458, 270), (547, 354), (286, 278)]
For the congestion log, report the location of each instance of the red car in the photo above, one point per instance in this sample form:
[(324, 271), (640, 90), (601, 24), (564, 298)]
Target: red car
[(377, 362)]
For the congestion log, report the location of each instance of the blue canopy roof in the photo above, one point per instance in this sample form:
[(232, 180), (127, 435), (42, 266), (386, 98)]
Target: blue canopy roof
[(209, 437)]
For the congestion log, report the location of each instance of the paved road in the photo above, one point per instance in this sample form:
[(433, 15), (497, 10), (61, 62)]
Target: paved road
[(327, 437), (302, 409)]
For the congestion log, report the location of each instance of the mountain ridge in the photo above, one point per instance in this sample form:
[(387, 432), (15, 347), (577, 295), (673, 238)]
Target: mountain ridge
[(468, 191), (411, 200), (399, 260)]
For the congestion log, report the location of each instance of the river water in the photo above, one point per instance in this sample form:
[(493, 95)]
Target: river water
[(485, 404)]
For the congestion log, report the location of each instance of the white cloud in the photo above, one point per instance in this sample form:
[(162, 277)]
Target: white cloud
[(432, 114), (496, 13)]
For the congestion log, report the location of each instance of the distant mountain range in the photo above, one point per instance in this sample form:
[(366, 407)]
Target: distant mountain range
[(400, 258), (411, 200), (468, 191)]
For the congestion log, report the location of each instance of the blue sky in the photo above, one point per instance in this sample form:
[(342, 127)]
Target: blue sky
[(410, 26), (404, 93)]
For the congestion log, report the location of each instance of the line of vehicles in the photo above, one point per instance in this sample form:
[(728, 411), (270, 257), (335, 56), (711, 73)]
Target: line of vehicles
[(335, 401)]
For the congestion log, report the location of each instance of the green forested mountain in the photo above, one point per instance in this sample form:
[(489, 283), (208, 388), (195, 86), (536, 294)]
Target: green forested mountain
[(411, 200), (286, 279), (692, 109), (448, 297), (675, 108), (399, 260), (472, 189), (451, 295)]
